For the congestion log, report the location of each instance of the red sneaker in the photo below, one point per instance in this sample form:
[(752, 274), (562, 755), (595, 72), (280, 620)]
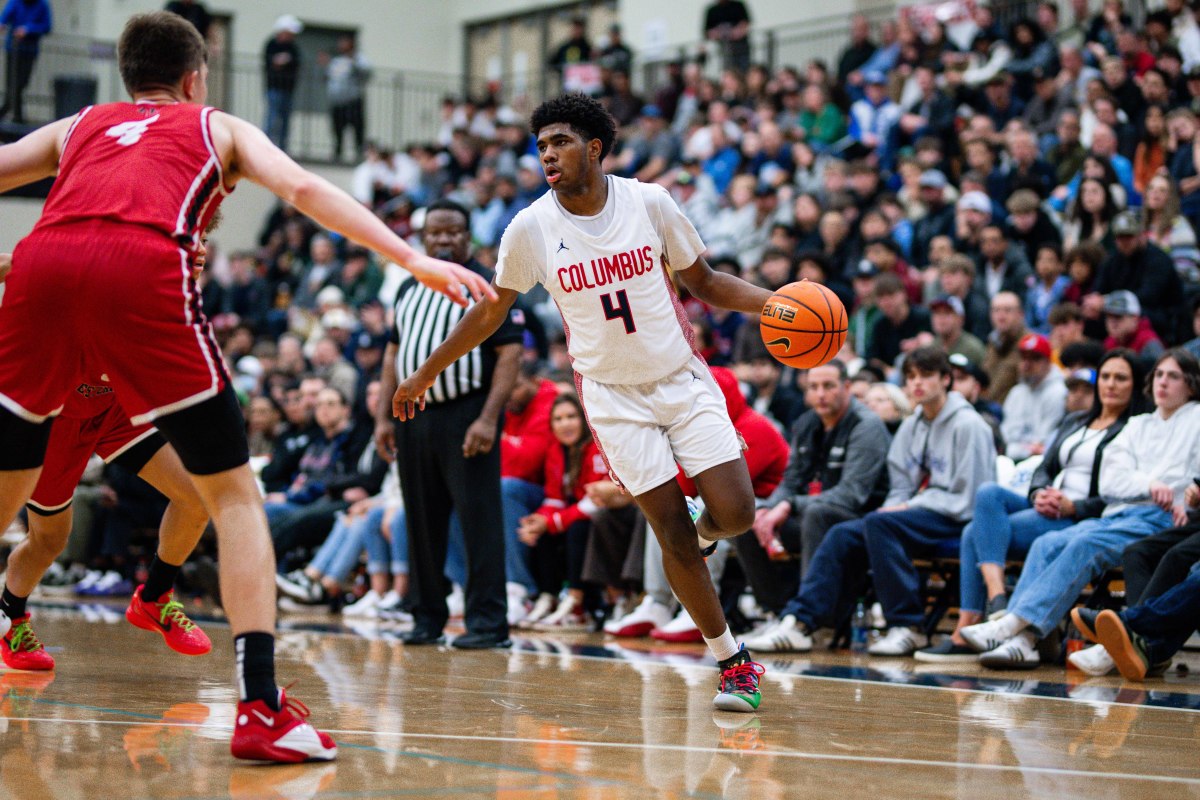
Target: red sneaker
[(264, 734), (167, 617), (22, 650)]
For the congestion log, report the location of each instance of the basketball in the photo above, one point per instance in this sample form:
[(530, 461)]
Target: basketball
[(803, 325)]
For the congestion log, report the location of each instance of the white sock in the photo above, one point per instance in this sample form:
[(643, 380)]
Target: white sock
[(722, 647), (1009, 626)]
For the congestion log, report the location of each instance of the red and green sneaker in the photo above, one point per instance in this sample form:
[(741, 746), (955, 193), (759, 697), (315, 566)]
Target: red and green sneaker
[(22, 650), (738, 688), (167, 617)]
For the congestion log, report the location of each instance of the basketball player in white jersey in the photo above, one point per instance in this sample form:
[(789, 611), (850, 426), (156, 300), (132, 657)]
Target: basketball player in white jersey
[(601, 245)]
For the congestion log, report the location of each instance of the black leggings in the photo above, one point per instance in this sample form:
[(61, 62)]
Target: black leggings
[(559, 557)]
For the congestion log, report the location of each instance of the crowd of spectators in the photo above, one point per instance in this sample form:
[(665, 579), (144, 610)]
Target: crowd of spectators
[(1001, 210)]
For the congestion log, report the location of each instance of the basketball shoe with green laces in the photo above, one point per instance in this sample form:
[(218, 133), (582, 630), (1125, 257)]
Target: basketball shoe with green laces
[(21, 648)]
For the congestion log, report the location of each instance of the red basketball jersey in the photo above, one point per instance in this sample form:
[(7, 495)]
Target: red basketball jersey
[(144, 164)]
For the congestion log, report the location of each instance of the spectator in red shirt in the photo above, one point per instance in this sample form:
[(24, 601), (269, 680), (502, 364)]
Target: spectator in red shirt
[(1128, 328), (524, 443), (572, 463)]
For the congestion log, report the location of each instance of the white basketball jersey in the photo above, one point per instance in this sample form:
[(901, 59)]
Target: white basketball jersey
[(624, 323)]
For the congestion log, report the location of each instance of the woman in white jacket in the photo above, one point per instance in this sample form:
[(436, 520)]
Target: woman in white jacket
[(1145, 471)]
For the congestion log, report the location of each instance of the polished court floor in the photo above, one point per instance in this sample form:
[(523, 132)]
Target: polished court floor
[(580, 717)]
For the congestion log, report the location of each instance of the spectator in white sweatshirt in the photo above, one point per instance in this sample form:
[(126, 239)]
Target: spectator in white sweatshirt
[(1146, 469), (1035, 406)]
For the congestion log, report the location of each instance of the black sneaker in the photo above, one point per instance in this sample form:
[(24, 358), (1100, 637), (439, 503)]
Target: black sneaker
[(1085, 621), (419, 636), (481, 641), (947, 651)]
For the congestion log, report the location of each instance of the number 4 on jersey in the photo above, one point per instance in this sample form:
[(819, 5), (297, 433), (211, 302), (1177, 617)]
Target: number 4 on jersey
[(620, 311)]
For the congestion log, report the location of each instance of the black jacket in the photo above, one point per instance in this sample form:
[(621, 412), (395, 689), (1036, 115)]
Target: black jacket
[(1051, 465), (1150, 275), (850, 462)]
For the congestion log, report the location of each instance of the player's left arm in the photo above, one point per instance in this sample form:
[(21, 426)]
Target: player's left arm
[(722, 289), (34, 156)]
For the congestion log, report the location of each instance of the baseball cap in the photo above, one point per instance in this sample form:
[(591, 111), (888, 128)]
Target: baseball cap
[(960, 361), (330, 296), (1022, 201), (1080, 376), (875, 77), (975, 201), (651, 110), (1122, 303), (366, 341), (933, 179), (338, 318), (948, 301), (1126, 224), (865, 269), (1035, 344), (289, 23)]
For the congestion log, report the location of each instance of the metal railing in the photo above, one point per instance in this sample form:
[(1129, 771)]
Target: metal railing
[(402, 106)]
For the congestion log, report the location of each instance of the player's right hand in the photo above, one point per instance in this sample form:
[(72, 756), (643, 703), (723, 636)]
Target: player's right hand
[(449, 278), (5, 265), (410, 397)]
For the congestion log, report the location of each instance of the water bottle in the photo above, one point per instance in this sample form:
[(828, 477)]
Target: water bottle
[(859, 626)]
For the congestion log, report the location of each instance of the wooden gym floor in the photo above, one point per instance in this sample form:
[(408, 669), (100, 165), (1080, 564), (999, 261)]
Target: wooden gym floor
[(577, 716)]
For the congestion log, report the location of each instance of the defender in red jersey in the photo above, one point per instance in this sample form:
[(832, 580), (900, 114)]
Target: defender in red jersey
[(105, 275), (92, 422)]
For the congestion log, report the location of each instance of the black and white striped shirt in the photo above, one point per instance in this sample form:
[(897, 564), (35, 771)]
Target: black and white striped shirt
[(424, 318)]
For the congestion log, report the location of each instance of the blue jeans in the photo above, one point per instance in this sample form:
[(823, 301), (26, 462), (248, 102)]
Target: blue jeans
[(520, 498), (1005, 524), (1062, 563), (388, 557), (1165, 622), (884, 542), (279, 116), (345, 543), (277, 511)]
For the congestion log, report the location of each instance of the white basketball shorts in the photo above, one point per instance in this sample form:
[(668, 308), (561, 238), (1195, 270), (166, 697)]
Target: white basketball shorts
[(644, 429)]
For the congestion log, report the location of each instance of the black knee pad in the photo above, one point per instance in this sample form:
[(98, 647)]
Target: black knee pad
[(22, 443), (210, 437)]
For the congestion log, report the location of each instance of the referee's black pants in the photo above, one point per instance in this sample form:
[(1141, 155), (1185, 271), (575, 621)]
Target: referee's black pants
[(435, 478)]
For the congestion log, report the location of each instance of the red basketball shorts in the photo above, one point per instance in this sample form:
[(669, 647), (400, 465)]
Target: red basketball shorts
[(105, 298), (109, 434)]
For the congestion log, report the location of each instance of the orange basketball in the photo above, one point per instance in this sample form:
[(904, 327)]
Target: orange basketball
[(803, 325)]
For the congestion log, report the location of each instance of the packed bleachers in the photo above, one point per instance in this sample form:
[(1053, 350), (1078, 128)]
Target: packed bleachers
[(1010, 213)]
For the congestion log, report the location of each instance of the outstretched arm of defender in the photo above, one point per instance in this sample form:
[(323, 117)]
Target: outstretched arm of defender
[(251, 155), (34, 156), (480, 322), (722, 289)]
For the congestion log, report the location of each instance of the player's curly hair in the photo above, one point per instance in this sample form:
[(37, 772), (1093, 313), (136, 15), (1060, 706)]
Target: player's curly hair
[(584, 114)]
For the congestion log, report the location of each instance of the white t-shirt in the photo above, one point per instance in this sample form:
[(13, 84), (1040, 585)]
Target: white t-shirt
[(1078, 454), (607, 273)]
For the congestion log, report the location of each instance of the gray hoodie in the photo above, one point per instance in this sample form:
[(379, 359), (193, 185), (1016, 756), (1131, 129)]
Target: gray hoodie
[(957, 453)]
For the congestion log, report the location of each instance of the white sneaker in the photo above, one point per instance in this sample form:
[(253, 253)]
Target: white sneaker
[(1093, 660), (900, 641), (650, 614), (695, 507), (785, 636), (542, 608), (89, 580), (365, 607), (622, 607), (987, 636), (455, 602), (1018, 652), (569, 616), (680, 629), (518, 602)]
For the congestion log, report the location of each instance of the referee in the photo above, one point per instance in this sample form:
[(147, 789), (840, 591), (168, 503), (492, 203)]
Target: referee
[(446, 457)]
